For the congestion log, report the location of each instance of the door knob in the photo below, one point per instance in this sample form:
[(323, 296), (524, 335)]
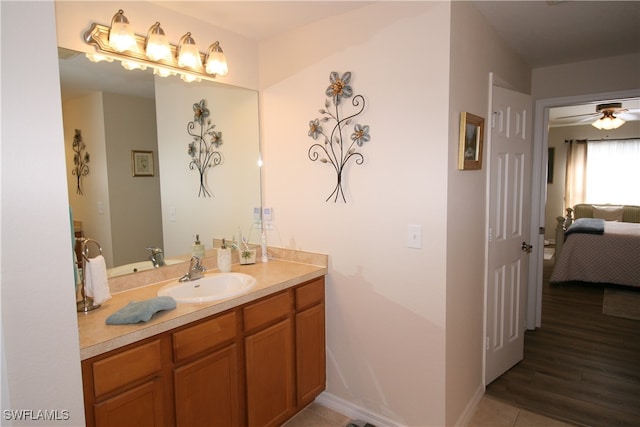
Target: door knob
[(526, 248)]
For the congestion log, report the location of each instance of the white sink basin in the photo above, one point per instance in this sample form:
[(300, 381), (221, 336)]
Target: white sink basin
[(134, 267), (211, 287)]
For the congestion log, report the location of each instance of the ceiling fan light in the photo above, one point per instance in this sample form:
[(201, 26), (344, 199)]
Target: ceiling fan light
[(608, 122)]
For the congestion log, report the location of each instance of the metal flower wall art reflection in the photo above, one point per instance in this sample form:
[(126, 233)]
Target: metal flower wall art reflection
[(202, 148), (80, 160), (340, 145)]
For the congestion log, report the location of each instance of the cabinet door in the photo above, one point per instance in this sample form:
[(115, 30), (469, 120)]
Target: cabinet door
[(310, 354), (206, 391), (270, 370), (141, 406)]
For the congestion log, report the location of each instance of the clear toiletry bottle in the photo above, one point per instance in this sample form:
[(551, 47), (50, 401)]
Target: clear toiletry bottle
[(198, 248), (224, 257)]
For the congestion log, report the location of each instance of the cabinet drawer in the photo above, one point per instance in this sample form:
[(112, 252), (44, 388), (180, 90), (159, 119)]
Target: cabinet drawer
[(310, 294), (263, 312), (123, 368), (203, 336)]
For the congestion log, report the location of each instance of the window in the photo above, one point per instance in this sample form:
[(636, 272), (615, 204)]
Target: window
[(613, 172)]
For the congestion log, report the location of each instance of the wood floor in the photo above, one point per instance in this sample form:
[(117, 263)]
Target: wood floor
[(581, 366)]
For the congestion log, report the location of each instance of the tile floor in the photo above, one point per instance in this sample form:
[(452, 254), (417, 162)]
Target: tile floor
[(489, 413)]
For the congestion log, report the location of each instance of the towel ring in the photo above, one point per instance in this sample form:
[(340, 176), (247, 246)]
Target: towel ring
[(86, 304), (85, 248)]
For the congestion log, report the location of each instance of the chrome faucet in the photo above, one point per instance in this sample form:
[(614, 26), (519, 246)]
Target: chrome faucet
[(157, 257), (196, 270)]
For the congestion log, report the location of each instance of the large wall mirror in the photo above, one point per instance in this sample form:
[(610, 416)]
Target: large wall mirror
[(119, 112)]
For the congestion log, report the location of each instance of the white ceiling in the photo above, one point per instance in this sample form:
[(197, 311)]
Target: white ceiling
[(550, 33), (542, 32), (260, 20)]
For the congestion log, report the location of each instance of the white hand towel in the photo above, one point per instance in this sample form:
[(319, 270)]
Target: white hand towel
[(96, 283)]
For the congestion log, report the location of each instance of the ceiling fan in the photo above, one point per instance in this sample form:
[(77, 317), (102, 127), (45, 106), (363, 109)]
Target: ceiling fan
[(607, 116)]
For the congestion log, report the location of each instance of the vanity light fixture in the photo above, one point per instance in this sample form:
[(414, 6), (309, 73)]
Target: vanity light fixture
[(157, 47), (121, 37), (216, 62), (154, 51)]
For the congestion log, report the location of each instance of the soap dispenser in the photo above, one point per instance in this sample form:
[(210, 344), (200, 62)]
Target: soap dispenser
[(198, 248)]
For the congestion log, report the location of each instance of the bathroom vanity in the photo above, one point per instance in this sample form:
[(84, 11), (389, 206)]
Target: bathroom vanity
[(253, 360)]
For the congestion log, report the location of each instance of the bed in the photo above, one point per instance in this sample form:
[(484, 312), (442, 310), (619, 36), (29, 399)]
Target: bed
[(599, 251)]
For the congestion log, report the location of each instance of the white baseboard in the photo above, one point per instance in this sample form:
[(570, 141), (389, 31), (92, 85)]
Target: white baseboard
[(357, 413), (353, 411), (466, 415)]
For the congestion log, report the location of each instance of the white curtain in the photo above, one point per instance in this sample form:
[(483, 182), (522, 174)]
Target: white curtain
[(576, 177), (613, 172)]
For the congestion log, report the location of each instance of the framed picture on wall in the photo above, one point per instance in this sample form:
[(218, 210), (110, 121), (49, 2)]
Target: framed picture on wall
[(471, 140), (142, 163)]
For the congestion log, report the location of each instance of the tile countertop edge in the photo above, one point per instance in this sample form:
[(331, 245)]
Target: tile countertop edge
[(96, 337)]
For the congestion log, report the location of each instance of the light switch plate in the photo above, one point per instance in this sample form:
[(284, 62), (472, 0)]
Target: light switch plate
[(414, 236)]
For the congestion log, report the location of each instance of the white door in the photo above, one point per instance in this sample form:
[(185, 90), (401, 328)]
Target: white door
[(510, 151)]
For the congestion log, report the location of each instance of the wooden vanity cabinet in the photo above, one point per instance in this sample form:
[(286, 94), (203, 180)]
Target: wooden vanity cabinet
[(269, 360), (128, 387), (206, 376), (310, 341), (254, 365)]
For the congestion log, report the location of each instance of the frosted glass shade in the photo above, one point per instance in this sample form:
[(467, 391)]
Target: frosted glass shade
[(188, 54), (157, 44), (121, 37)]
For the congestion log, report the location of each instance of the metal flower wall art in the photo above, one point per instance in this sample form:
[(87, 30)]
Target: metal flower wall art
[(337, 149), (80, 160), (202, 148)]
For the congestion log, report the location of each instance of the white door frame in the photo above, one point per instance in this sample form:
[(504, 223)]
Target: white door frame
[(539, 190)]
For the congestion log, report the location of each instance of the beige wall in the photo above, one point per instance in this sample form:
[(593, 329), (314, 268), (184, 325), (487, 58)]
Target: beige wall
[(134, 202), (114, 207), (377, 286), (234, 184), (86, 113), (476, 52), (40, 358), (385, 302), (598, 76)]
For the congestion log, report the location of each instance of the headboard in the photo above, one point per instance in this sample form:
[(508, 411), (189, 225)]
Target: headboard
[(624, 213)]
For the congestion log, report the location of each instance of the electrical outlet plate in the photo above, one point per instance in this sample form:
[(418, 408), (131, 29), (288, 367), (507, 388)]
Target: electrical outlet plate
[(267, 214)]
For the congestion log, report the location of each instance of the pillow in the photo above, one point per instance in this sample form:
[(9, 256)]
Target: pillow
[(608, 212)]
